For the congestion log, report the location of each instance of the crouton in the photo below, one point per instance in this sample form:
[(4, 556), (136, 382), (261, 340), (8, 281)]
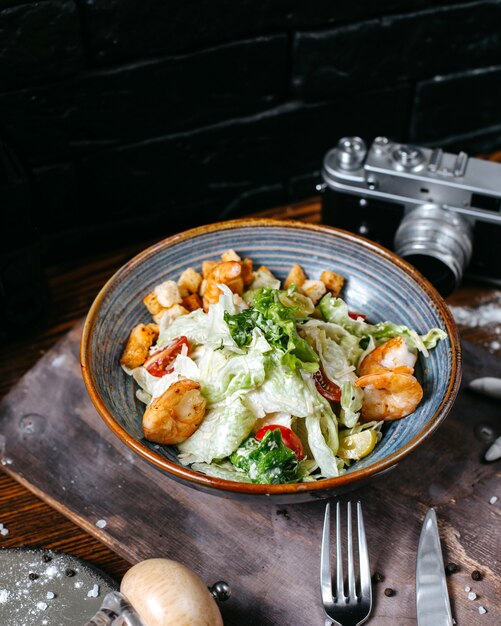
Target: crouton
[(264, 278), (203, 287), (247, 273), (227, 273), (314, 289), (296, 277), (189, 282), (192, 302), (207, 267), (157, 318), (334, 282), (152, 304), (167, 293), (138, 345), (230, 255), (176, 311)]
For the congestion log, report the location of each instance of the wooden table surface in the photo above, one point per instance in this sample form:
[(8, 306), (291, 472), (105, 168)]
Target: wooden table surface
[(73, 286)]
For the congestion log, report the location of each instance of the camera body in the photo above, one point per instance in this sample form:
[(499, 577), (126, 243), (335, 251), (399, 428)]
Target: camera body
[(439, 211)]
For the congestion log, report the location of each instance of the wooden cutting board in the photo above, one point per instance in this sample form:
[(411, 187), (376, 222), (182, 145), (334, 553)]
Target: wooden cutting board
[(54, 442)]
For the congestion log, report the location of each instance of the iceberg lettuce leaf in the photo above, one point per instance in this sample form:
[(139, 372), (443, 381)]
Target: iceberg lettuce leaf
[(224, 373), (335, 311), (224, 427)]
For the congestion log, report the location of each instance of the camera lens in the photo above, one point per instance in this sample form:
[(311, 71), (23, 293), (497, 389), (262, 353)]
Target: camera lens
[(437, 242)]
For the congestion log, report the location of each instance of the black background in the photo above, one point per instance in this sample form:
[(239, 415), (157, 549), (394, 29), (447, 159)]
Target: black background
[(139, 118)]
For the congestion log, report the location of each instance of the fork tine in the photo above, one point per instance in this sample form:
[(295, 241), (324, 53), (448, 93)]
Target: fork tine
[(325, 564), (351, 569), (365, 573), (347, 606), (339, 555)]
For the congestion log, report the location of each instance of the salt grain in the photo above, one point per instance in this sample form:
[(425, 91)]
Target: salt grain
[(42, 606), (495, 345), (482, 610), (50, 595), (78, 584), (467, 589), (493, 500), (101, 523), (4, 595), (94, 592), (4, 531), (51, 571), (472, 595), (480, 316)]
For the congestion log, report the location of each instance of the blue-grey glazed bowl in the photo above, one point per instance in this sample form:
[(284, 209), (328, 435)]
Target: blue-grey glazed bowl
[(378, 283)]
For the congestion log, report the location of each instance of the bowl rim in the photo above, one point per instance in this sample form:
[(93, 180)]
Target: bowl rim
[(199, 480)]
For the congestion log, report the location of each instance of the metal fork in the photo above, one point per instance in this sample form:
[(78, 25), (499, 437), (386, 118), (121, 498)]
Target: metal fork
[(351, 606)]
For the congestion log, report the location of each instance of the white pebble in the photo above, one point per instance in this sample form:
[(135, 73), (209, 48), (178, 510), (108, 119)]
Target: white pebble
[(94, 592), (42, 606), (467, 589), (4, 531), (472, 595), (4, 595), (50, 595), (493, 500), (101, 523), (482, 610)]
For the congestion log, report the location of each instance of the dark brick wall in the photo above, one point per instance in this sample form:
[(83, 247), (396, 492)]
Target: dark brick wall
[(141, 117)]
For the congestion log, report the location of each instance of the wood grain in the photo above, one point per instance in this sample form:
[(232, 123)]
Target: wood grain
[(58, 446), (73, 287)]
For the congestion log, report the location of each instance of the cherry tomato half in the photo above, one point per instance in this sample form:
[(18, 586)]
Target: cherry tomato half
[(326, 387), (355, 315), (289, 437), (158, 363)]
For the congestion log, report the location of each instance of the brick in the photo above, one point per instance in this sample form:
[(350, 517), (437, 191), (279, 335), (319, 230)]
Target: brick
[(398, 48), (457, 105), (236, 156), (483, 141), (323, 13), (57, 197), (39, 42), (123, 29), (104, 108), (85, 233)]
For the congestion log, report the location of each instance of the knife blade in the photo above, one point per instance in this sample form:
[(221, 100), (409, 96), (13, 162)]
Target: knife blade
[(432, 598)]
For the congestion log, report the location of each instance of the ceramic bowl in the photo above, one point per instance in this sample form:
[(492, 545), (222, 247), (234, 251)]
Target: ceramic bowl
[(378, 283)]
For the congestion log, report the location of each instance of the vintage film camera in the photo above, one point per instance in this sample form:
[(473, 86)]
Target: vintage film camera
[(439, 211)]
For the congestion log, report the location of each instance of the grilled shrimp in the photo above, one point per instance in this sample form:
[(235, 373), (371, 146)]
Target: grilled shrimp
[(392, 355), (389, 395), (386, 375), (226, 273), (176, 414)]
